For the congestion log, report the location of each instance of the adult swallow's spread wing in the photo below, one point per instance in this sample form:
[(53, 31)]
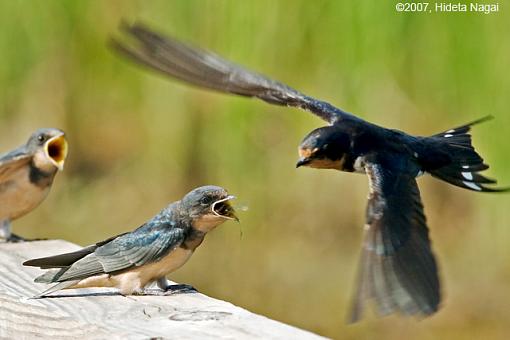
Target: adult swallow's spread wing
[(397, 268), (208, 70)]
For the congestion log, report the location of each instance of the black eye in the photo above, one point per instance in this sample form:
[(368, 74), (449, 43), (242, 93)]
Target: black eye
[(205, 200), (41, 138)]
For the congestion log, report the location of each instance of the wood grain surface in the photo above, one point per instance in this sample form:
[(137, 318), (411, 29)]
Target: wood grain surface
[(102, 313)]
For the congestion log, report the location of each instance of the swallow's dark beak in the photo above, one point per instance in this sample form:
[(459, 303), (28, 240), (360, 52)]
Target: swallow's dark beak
[(223, 209), (56, 150), (302, 161)]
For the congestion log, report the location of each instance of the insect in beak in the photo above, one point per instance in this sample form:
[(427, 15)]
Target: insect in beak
[(222, 208)]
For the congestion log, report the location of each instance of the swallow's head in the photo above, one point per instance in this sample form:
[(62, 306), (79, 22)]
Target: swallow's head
[(324, 148), (208, 207), (49, 147)]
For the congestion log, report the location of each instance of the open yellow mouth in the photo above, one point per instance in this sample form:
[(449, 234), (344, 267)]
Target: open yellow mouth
[(56, 150), (222, 208)]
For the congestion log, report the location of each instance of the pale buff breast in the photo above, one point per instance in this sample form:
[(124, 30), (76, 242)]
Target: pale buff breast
[(134, 279), (18, 195)]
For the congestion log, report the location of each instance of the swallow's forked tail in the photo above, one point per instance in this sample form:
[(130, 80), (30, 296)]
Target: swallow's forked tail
[(58, 265), (465, 163), (57, 287), (51, 276)]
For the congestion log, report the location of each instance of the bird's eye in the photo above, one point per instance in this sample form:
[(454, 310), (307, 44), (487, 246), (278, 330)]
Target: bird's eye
[(205, 200), (40, 138)]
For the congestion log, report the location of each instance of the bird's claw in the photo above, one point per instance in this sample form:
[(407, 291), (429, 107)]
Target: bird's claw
[(13, 238), (169, 290), (181, 289)]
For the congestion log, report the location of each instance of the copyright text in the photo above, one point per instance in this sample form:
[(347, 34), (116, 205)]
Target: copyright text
[(447, 7)]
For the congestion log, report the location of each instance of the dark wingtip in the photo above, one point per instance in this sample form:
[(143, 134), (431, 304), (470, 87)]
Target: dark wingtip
[(132, 27), (135, 29), (30, 263), (129, 28), (41, 263), (114, 43), (123, 48)]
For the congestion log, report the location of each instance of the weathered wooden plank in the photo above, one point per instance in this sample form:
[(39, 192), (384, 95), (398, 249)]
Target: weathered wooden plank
[(102, 313)]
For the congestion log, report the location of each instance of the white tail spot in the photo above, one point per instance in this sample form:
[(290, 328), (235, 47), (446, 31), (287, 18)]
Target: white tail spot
[(472, 185), (448, 135), (467, 175), (450, 131), (465, 167)]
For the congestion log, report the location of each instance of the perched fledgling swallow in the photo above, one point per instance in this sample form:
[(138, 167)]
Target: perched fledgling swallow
[(26, 175), (398, 269), (131, 260)]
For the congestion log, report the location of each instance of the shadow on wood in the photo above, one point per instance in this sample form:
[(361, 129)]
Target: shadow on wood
[(103, 313)]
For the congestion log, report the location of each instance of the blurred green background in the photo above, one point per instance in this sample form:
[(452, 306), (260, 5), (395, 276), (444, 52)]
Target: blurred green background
[(139, 141)]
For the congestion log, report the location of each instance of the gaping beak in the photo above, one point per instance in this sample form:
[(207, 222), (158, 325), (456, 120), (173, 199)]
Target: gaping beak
[(56, 150), (222, 208), (302, 161)]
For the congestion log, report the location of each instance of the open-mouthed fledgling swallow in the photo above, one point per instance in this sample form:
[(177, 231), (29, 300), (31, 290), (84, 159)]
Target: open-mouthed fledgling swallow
[(398, 269), (134, 259), (26, 175)]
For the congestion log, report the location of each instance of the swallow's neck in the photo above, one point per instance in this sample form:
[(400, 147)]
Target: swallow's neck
[(327, 163), (345, 162), (206, 223), (193, 239), (41, 176)]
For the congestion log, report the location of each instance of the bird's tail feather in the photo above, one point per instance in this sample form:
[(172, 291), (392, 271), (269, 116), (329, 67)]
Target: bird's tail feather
[(466, 163), (57, 287), (49, 276)]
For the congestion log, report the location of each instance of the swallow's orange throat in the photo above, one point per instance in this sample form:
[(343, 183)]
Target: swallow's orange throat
[(307, 158)]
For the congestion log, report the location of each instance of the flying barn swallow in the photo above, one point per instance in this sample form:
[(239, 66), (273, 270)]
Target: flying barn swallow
[(134, 259), (26, 175), (397, 269)]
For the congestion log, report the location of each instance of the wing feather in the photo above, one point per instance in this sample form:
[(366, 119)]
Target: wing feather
[(146, 244), (208, 70), (67, 259), (143, 246), (12, 161), (397, 268)]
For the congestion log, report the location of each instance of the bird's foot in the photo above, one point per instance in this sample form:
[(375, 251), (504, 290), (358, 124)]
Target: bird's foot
[(169, 290), (181, 288), (13, 238)]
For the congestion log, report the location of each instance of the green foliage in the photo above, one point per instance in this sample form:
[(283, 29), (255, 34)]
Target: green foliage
[(139, 141)]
